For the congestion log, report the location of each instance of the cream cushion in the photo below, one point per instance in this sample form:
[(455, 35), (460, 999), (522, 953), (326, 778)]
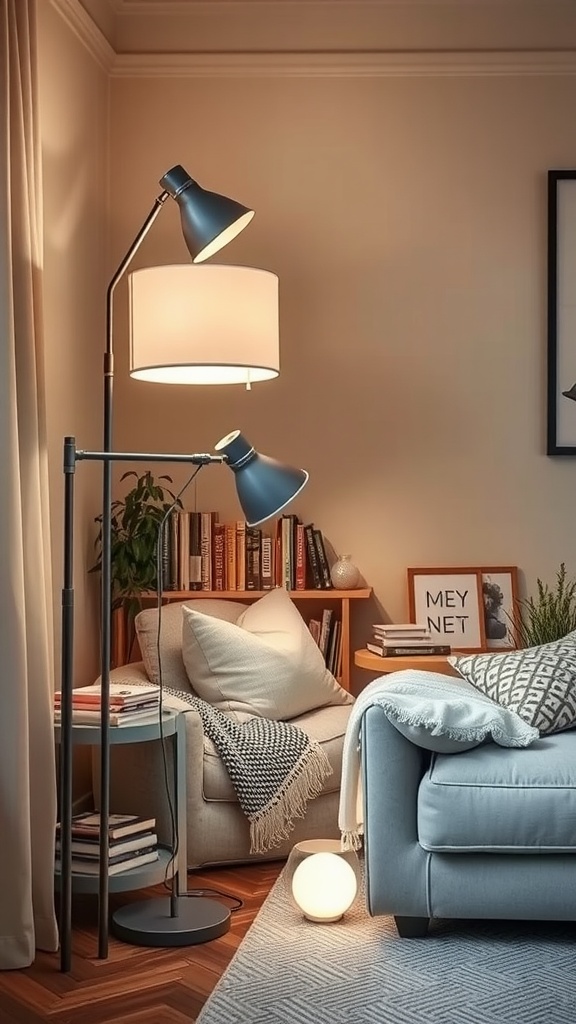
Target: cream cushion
[(265, 664), (146, 623)]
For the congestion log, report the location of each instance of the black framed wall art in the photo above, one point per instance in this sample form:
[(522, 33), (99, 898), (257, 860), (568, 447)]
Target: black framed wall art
[(561, 418)]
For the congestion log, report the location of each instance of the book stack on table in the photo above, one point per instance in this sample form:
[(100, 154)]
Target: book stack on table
[(404, 640), (129, 704), (132, 843)]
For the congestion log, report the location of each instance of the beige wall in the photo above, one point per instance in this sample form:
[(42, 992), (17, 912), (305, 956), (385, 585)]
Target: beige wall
[(74, 128), (405, 213), (406, 218)]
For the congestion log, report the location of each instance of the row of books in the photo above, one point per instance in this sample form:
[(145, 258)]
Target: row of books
[(129, 704), (201, 553), (397, 640), (132, 842), (327, 632)]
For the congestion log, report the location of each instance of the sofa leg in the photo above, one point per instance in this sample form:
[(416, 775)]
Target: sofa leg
[(411, 927)]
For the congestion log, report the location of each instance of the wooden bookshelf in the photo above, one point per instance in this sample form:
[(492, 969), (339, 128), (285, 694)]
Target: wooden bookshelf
[(306, 600)]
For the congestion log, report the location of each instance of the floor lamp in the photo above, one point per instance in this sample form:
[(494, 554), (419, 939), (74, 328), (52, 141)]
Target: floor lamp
[(264, 487)]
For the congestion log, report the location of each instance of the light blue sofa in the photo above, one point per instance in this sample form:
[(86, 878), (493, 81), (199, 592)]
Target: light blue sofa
[(485, 833)]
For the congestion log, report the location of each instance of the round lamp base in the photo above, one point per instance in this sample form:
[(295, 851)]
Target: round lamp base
[(149, 922)]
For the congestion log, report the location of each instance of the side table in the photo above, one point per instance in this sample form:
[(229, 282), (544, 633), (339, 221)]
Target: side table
[(160, 921), (132, 878), (428, 662)]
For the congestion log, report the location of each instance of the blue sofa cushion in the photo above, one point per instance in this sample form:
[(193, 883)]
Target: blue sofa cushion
[(501, 800), (538, 683)]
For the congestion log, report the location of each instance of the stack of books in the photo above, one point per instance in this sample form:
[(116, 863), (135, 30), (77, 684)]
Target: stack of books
[(403, 640), (129, 704), (132, 843)]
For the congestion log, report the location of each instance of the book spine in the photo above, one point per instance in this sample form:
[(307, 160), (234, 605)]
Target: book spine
[(183, 550), (315, 573), (241, 555), (165, 555), (278, 554), (408, 652), (293, 520), (195, 552), (286, 553), (219, 544), (300, 573), (331, 646), (230, 556), (253, 571), (314, 626), (322, 559), (267, 563), (206, 522), (325, 631), (173, 551)]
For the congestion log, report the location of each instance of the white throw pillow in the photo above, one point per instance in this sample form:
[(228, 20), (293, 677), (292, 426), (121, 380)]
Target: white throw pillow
[(146, 622), (265, 664)]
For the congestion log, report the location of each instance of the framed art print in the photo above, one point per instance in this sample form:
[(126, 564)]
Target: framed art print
[(500, 598), (449, 603), (561, 417)]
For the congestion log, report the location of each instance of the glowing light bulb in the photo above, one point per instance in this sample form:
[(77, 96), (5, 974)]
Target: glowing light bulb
[(324, 887)]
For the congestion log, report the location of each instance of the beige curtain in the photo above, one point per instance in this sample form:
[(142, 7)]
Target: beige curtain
[(27, 760)]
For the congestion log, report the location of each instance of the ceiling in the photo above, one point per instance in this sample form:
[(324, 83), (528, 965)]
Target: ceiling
[(245, 26)]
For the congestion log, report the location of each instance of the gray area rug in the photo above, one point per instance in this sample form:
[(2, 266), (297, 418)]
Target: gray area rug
[(357, 971)]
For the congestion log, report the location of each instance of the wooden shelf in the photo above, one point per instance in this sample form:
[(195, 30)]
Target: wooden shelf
[(327, 597), (247, 595)]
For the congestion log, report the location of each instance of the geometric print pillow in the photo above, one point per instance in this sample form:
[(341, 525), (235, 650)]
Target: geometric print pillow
[(539, 683)]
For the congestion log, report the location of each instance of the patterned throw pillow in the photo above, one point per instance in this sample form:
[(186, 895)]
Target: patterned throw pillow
[(539, 683)]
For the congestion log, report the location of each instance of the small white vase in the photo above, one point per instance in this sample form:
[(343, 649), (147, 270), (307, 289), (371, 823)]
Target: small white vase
[(344, 574)]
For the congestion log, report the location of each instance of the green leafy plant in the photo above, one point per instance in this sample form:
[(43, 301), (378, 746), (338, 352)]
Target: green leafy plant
[(136, 519), (548, 616)]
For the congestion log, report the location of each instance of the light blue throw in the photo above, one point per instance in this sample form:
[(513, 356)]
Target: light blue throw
[(434, 711)]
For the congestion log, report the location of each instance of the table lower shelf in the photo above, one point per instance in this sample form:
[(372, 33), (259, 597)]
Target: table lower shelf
[(124, 881)]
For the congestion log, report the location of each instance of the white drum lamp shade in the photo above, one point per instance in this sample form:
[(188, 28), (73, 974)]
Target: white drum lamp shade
[(203, 324)]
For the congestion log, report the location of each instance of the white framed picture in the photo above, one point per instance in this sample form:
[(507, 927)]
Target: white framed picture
[(449, 603)]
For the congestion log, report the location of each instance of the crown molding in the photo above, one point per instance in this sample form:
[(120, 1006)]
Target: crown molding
[(178, 6), (346, 65), (86, 31)]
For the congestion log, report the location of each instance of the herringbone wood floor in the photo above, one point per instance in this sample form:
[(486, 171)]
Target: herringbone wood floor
[(135, 985)]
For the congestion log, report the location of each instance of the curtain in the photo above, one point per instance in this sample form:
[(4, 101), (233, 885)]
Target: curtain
[(27, 757)]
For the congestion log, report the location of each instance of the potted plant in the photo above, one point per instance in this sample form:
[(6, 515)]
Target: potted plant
[(548, 616), (135, 522)]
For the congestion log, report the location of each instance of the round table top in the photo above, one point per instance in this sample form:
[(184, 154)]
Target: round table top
[(429, 662)]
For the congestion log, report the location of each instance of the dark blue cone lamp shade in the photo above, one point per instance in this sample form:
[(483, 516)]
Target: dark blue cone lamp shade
[(209, 221), (264, 486)]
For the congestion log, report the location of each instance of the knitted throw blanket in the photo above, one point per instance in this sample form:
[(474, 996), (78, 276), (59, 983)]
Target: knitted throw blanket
[(274, 767)]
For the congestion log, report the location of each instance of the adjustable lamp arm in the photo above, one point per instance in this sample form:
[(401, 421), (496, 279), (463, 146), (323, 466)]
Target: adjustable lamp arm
[(109, 351)]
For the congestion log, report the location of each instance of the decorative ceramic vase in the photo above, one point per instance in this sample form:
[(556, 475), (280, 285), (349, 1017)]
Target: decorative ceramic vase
[(344, 574)]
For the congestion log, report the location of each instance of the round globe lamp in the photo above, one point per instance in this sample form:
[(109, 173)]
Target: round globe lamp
[(324, 887), (306, 847)]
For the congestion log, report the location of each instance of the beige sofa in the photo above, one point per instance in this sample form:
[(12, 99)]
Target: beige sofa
[(217, 830)]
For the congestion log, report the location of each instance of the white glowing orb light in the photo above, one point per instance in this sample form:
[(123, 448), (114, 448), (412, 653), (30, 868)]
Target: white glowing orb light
[(324, 887)]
